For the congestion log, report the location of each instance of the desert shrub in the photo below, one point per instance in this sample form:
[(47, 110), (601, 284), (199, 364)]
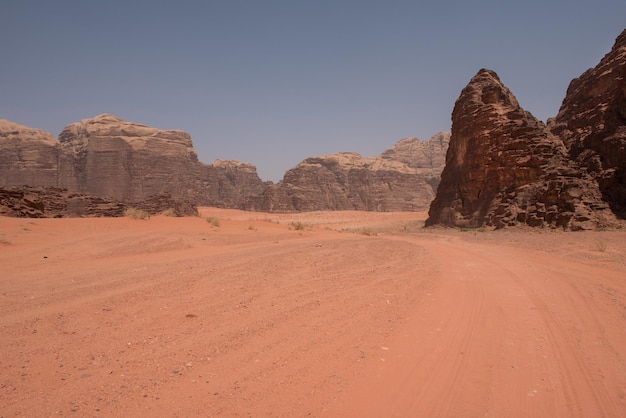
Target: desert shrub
[(298, 226), (600, 246), (134, 213), (169, 212), (213, 221)]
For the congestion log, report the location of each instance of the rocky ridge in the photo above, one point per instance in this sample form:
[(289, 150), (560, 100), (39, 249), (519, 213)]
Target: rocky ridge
[(120, 161), (116, 160), (403, 178), (592, 124), (506, 168)]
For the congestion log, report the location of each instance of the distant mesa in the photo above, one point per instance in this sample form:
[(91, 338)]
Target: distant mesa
[(402, 178), (120, 161)]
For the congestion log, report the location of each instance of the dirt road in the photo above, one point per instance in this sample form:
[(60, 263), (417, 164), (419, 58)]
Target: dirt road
[(324, 314)]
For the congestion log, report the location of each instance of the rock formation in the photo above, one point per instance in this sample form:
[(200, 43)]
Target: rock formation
[(109, 157), (52, 202), (414, 153), (27, 156), (504, 167), (403, 178), (228, 184), (120, 161), (592, 124), (116, 160)]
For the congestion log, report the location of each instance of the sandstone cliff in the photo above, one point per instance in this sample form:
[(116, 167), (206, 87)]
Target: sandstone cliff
[(116, 160), (592, 124), (504, 167), (27, 156), (403, 178), (109, 157), (228, 184)]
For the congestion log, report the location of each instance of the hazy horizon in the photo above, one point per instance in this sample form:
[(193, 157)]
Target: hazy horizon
[(271, 83)]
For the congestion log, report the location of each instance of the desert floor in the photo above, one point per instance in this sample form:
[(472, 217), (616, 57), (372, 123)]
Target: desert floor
[(334, 314)]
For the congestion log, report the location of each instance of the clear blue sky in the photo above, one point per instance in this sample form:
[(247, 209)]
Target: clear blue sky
[(272, 82)]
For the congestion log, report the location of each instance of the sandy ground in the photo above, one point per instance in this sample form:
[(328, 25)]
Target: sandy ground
[(335, 314)]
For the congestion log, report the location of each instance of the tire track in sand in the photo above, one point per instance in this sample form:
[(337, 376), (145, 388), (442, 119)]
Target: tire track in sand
[(506, 332)]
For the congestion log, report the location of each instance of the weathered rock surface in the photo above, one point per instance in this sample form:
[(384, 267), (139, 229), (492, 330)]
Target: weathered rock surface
[(228, 184), (403, 178), (109, 157), (27, 156), (117, 160), (52, 202), (592, 124), (166, 203), (504, 167), (414, 153)]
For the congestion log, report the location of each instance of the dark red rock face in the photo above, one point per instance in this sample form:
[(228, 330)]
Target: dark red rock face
[(504, 168), (592, 124)]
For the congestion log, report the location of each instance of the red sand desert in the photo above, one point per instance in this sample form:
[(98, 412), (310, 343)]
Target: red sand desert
[(334, 314)]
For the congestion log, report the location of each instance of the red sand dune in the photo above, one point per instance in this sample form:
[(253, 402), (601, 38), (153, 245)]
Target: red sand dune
[(343, 314)]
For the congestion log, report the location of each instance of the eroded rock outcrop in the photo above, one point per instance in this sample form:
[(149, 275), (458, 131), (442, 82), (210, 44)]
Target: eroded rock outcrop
[(125, 161), (52, 202), (403, 178), (504, 167), (116, 160), (228, 183), (27, 156), (592, 124)]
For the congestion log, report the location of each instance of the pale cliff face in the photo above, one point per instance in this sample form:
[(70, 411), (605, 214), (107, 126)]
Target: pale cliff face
[(27, 156)]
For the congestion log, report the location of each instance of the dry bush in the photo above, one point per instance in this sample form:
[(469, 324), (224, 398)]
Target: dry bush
[(169, 212), (134, 213), (298, 226), (600, 246), (213, 221)]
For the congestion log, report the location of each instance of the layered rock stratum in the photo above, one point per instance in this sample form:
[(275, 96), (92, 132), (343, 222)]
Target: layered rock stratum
[(119, 161), (27, 156), (109, 157), (53, 202)]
